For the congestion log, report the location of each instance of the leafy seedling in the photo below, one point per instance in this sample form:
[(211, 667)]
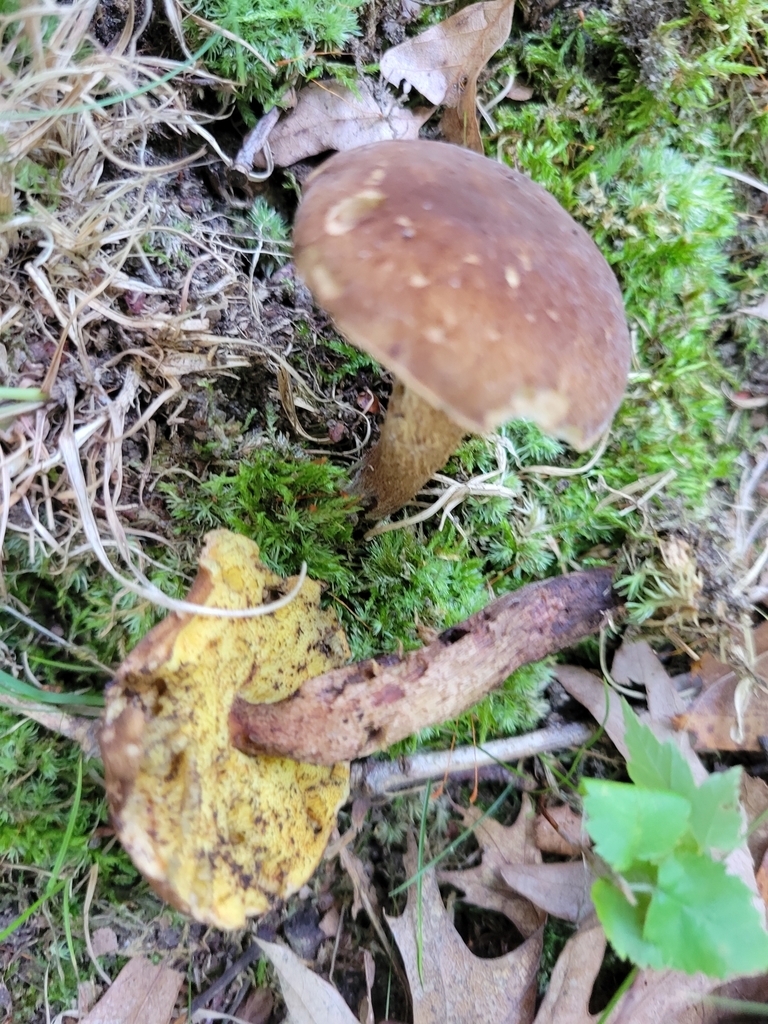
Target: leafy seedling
[(675, 904)]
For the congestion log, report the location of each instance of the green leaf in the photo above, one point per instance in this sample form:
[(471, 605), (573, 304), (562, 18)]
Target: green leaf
[(715, 816), (703, 919), (630, 824), (653, 764), (623, 924)]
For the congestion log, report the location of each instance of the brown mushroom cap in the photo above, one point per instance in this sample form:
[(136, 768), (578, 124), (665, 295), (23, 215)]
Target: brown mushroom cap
[(470, 282)]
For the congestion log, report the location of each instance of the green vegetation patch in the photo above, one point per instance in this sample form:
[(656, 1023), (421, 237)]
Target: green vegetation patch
[(292, 39), (633, 110)]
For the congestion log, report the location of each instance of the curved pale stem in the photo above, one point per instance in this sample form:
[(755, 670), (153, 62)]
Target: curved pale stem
[(416, 440)]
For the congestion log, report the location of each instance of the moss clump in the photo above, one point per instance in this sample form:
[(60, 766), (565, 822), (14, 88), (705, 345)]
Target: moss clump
[(291, 37)]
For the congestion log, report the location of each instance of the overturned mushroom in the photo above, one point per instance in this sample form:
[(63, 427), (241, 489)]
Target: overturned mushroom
[(357, 710), (217, 833), (476, 288)]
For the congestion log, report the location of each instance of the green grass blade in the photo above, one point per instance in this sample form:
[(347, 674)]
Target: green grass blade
[(18, 688), (59, 862), (456, 842), (68, 929), (29, 912), (22, 395)]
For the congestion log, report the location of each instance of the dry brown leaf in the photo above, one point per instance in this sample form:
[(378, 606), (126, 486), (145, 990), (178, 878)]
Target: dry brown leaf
[(502, 846), (328, 115), (588, 689), (258, 1007), (667, 996), (220, 834), (761, 877), (142, 993), (754, 800), (366, 1006), (443, 63), (566, 1000), (567, 838), (308, 998), (637, 663), (558, 889), (459, 124), (654, 996), (753, 990), (87, 994), (711, 717), (365, 897), (456, 987)]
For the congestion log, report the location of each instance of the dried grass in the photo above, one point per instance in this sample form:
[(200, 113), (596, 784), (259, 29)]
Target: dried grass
[(91, 122)]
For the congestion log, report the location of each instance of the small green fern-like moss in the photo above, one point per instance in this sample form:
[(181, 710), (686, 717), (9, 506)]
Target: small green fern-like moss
[(290, 36)]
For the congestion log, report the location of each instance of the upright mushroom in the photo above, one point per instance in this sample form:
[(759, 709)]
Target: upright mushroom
[(475, 288)]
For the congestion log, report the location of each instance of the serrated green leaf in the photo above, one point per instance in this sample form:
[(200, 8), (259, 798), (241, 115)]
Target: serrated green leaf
[(703, 919), (629, 824), (653, 764), (623, 924), (715, 816)]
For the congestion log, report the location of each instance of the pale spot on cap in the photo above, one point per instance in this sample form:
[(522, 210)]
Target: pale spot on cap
[(409, 231), (435, 334), (545, 406), (531, 318), (347, 214), (376, 176), (472, 259), (524, 256), (512, 277), (418, 281), (553, 315), (492, 334), (323, 284)]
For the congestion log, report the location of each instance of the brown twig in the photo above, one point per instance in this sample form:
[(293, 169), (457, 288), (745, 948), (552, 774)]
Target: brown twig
[(354, 711)]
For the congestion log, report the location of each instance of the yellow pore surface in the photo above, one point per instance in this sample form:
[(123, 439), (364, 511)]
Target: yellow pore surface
[(217, 832)]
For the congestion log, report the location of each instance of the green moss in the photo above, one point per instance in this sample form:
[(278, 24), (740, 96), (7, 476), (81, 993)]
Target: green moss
[(633, 110), (290, 35), (292, 508), (38, 775), (624, 129)]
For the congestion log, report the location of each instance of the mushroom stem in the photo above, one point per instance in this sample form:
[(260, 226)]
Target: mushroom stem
[(416, 440)]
